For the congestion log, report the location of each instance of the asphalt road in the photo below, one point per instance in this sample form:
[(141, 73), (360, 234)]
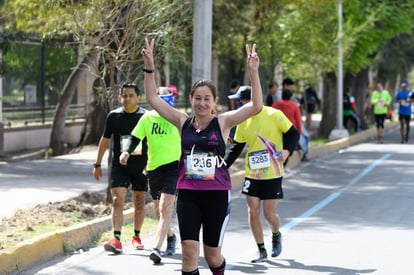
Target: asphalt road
[(349, 212)]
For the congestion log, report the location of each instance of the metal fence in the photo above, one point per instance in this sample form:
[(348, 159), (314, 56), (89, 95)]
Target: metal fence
[(25, 115)]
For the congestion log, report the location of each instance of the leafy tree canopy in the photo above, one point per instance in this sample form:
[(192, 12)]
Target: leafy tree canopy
[(115, 29)]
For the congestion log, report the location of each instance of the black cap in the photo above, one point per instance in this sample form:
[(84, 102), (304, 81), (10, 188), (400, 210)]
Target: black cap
[(288, 81)]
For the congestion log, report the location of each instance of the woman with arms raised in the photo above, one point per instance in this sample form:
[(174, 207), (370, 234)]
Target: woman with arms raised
[(204, 181)]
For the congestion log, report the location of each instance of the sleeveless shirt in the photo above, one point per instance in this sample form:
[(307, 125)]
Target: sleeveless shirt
[(202, 165)]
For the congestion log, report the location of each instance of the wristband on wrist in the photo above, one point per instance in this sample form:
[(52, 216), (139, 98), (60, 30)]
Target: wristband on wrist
[(148, 71), (96, 165)]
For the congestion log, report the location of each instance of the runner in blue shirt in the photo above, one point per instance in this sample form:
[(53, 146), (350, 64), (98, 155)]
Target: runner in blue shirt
[(404, 98)]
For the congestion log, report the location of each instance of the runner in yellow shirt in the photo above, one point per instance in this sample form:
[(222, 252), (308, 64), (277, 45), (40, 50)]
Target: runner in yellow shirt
[(271, 138), (381, 100)]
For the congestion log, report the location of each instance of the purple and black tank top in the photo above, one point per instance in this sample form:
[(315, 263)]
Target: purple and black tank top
[(202, 165)]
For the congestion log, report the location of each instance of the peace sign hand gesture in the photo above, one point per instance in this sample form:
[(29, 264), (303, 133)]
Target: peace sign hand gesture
[(253, 59), (147, 54)]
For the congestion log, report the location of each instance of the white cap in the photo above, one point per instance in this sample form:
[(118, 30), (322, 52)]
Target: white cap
[(242, 93)]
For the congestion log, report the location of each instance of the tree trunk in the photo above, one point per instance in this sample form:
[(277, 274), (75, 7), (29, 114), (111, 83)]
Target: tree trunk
[(57, 136), (96, 113), (94, 124), (329, 105), (361, 94), (359, 88)]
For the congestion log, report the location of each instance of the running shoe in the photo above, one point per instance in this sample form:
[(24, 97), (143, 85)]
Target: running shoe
[(262, 256), (114, 246), (136, 243), (276, 245), (171, 241), (155, 256)]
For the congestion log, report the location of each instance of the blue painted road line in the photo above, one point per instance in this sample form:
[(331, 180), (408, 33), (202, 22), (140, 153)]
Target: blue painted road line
[(307, 214), (333, 196)]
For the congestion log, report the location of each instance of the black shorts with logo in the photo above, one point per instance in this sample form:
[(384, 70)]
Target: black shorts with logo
[(263, 189)]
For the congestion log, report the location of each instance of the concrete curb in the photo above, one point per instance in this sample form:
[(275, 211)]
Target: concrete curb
[(332, 146), (40, 249)]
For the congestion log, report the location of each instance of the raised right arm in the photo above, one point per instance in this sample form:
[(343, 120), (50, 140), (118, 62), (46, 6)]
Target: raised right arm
[(169, 113)]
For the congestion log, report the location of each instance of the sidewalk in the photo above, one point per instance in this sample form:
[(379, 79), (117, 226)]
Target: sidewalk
[(24, 184)]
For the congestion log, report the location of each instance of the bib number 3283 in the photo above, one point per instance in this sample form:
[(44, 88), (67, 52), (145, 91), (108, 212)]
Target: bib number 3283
[(259, 159)]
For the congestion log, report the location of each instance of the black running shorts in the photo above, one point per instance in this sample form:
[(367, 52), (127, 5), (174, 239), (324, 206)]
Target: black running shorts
[(209, 209), (163, 180), (263, 189)]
